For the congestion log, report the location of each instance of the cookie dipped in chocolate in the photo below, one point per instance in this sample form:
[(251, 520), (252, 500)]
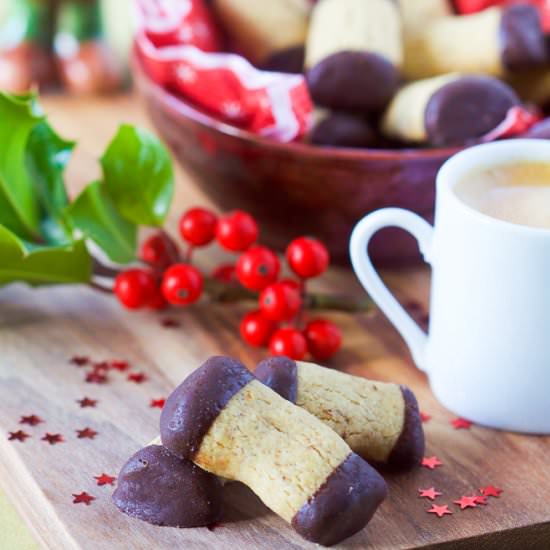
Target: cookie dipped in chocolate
[(158, 487), (338, 129)]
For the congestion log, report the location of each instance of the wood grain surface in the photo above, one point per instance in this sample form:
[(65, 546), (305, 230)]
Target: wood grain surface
[(41, 329)]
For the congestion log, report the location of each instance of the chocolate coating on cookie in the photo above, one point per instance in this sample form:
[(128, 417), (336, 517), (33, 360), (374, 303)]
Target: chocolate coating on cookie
[(466, 109), (522, 38), (541, 130), (409, 448), (280, 374), (357, 81), (162, 489), (344, 130), (343, 505), (193, 406), (290, 60)]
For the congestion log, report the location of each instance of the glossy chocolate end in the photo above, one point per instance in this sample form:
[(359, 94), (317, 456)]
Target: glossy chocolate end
[(522, 38), (343, 505), (193, 406), (162, 489), (541, 130), (466, 109), (279, 374), (409, 449), (290, 60), (356, 81), (344, 130)]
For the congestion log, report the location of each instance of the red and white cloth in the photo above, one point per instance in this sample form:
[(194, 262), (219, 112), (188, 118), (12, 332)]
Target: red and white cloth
[(177, 44), (518, 120)]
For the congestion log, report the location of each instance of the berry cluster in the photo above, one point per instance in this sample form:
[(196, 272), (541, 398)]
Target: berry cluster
[(279, 322)]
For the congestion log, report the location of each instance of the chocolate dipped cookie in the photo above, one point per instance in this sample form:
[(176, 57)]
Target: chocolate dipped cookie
[(446, 110), (493, 42), (232, 425), (379, 421), (339, 129)]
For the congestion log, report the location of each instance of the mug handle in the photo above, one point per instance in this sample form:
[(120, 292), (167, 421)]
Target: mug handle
[(413, 335)]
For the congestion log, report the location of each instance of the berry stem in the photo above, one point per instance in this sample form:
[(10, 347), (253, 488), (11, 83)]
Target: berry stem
[(188, 256)]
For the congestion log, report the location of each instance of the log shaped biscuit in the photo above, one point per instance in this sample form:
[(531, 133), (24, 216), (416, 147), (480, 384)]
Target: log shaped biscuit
[(379, 421), (232, 425)]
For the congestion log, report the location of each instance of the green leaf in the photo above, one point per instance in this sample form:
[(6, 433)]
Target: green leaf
[(19, 209), (47, 155), (138, 174), (37, 265), (95, 215)]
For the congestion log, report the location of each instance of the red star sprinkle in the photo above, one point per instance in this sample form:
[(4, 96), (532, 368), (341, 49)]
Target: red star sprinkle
[(86, 433), (80, 360), (137, 377), (490, 491), (120, 365), (425, 417), (466, 502), (461, 424), (440, 511), (31, 420), (96, 377), (105, 479), (481, 500), (87, 402), (158, 403), (431, 462), (430, 493), (101, 366), (53, 439), (169, 323), (19, 435), (83, 497)]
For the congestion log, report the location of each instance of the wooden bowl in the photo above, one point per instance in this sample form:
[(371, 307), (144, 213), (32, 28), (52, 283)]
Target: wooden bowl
[(297, 189)]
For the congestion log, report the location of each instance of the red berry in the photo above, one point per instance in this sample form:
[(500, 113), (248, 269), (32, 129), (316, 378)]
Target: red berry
[(307, 257), (288, 341), (157, 302), (182, 284), (256, 330), (225, 273), (280, 302), (198, 226), (159, 251), (323, 338), (135, 288), (237, 231), (295, 285), (258, 267)]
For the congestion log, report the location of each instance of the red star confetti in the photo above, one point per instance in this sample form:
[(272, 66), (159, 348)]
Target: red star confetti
[(101, 366), (31, 420), (169, 323), (157, 403), (431, 462), (120, 365), (137, 377), (490, 491), (86, 433), (466, 502), (86, 402), (80, 360), (96, 377), (461, 424), (439, 511), (53, 439), (19, 435), (481, 500), (430, 493), (105, 479), (83, 498), (425, 417)]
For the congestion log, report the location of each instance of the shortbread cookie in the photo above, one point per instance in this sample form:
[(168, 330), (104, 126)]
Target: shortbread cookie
[(415, 13), (158, 487), (261, 30), (493, 42), (344, 130), (448, 110), (232, 425), (379, 421)]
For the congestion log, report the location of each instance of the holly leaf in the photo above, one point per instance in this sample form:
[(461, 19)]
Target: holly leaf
[(95, 215), (138, 174), (47, 155), (41, 265), (19, 209)]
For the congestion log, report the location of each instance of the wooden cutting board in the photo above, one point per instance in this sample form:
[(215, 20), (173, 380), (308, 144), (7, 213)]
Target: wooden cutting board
[(41, 329)]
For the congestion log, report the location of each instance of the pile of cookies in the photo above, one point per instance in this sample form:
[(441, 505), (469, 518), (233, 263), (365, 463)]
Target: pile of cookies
[(397, 72), (299, 435)]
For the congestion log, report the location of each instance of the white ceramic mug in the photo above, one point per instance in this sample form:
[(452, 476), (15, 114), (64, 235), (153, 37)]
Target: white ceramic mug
[(487, 353)]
